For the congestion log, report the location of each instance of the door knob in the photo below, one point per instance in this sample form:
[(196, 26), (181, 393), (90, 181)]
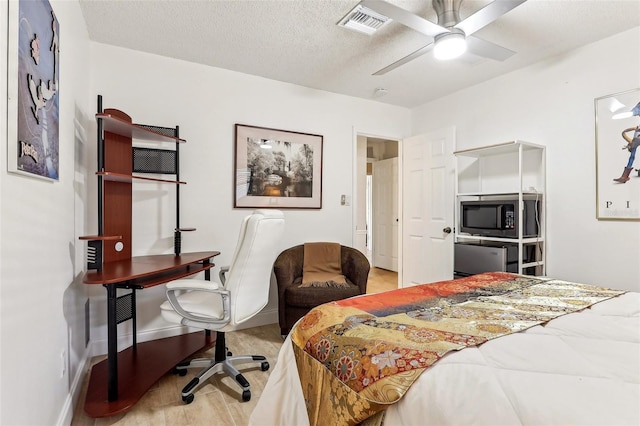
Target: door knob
[(447, 230)]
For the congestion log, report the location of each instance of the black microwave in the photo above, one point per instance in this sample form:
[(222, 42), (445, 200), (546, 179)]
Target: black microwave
[(493, 218)]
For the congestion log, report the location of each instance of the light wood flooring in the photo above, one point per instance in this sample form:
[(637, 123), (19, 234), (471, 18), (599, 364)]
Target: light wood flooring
[(218, 401), (381, 280)]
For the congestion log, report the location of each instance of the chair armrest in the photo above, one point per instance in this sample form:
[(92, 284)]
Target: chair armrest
[(286, 268), (192, 285), (199, 285), (355, 266), (222, 274)]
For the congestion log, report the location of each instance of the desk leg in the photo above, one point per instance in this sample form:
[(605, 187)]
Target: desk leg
[(207, 273), (134, 322), (112, 343)]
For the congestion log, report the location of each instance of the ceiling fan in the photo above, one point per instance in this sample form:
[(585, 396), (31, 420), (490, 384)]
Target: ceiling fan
[(451, 36)]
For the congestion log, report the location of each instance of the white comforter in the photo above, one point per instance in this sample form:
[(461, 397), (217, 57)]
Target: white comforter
[(578, 369)]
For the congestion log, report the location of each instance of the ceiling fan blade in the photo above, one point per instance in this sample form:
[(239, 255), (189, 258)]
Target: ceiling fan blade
[(405, 17), (487, 15), (487, 49), (408, 58)]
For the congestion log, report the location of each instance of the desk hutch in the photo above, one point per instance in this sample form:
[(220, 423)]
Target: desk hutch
[(119, 381)]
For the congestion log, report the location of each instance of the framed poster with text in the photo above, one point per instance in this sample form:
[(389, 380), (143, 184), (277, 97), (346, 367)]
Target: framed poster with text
[(617, 120)]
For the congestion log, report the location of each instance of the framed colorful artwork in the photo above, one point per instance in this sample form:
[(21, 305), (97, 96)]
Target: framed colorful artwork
[(277, 168), (33, 89), (617, 171)]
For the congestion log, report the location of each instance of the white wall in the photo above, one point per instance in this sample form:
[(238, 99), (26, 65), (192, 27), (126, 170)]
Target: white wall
[(552, 103), (206, 102), (41, 295)]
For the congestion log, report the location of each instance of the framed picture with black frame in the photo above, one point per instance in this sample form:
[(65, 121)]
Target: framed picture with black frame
[(277, 168)]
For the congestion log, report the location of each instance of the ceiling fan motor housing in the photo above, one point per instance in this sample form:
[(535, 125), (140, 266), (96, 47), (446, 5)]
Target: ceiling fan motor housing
[(447, 11)]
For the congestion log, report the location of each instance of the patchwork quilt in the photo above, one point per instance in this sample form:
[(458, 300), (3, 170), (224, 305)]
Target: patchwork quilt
[(357, 356)]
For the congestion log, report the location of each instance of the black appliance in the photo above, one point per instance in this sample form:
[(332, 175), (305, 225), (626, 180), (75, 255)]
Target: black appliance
[(475, 258), (499, 218)]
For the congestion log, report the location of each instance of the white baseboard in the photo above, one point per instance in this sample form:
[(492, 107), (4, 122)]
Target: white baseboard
[(73, 397), (99, 347)]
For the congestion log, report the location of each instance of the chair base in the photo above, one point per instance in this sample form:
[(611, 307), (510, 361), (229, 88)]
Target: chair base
[(221, 363)]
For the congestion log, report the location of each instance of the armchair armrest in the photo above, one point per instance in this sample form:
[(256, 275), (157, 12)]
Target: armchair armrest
[(288, 266), (355, 266), (204, 286)]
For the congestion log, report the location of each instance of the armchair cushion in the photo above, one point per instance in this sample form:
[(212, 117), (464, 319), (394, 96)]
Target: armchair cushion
[(310, 297)]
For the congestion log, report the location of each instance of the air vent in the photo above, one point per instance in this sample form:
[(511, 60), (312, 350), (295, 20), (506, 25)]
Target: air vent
[(364, 20)]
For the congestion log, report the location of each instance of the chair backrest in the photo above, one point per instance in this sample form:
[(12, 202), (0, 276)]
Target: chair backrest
[(249, 275)]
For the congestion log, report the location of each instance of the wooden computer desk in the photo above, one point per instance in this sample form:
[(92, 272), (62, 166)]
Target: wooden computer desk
[(119, 381)]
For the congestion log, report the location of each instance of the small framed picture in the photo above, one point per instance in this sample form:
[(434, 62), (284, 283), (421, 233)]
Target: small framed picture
[(277, 168), (617, 169), (33, 90)]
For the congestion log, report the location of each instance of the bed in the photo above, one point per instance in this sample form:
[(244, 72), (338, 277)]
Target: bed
[(492, 349)]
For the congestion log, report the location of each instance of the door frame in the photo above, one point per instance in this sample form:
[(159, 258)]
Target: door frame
[(354, 189)]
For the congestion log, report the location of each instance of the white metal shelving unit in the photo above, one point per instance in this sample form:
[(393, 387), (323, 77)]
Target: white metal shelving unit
[(508, 170)]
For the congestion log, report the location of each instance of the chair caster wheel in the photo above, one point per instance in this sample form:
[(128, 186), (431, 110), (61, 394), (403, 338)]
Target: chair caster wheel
[(229, 353), (180, 371), (264, 366), (246, 395), (188, 399)]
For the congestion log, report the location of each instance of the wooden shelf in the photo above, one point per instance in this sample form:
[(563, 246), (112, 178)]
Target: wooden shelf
[(147, 271), (169, 276), (100, 237), (117, 383), (120, 177), (138, 370), (121, 127), (185, 229)]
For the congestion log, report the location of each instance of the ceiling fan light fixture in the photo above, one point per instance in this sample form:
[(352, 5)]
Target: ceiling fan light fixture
[(449, 45)]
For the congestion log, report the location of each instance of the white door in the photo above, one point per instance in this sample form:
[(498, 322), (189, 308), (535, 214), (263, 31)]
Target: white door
[(427, 207), (385, 214)]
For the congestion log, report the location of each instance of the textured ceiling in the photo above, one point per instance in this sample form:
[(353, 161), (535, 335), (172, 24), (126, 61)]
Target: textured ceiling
[(298, 41)]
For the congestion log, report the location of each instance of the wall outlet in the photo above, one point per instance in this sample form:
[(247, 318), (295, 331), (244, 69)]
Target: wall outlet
[(63, 363)]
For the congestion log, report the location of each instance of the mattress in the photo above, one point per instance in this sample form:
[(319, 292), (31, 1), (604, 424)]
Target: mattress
[(581, 368)]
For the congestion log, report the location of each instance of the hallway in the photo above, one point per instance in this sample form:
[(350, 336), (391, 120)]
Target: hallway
[(381, 280)]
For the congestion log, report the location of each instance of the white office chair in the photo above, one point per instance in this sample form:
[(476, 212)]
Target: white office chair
[(243, 292)]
